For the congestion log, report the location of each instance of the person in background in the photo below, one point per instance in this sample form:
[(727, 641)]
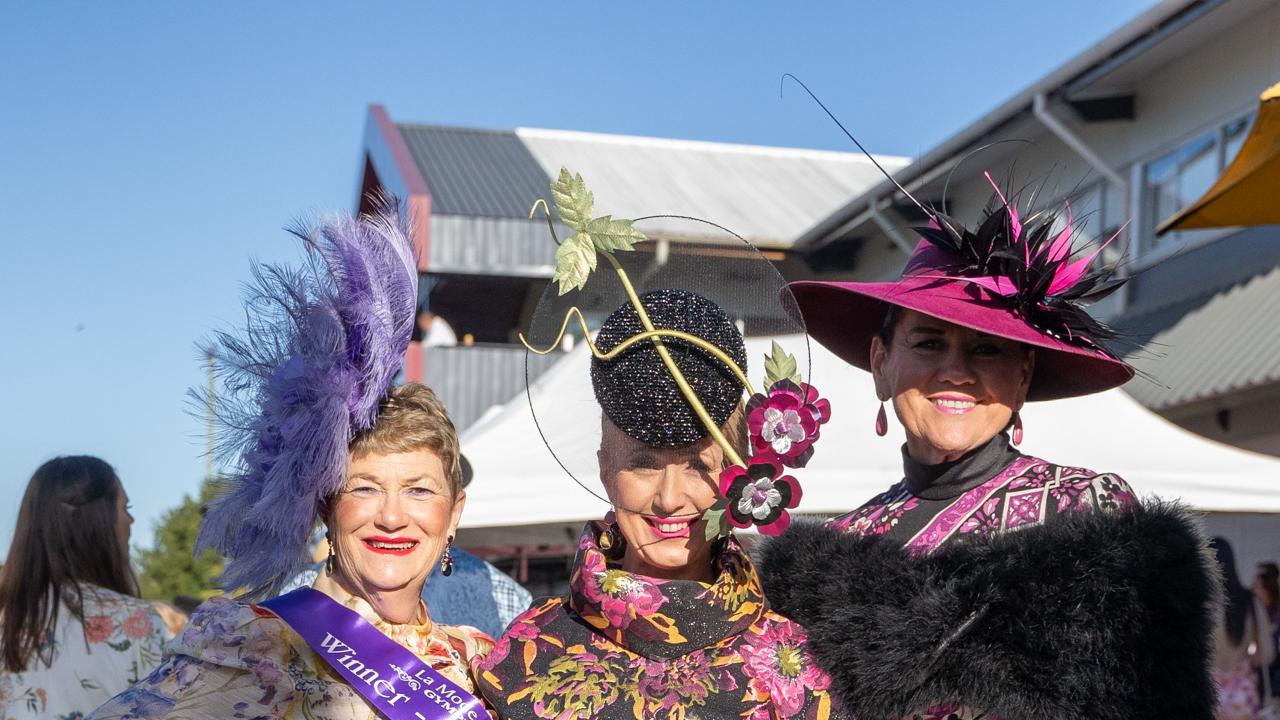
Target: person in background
[(1267, 587), (476, 593), (1242, 642), (73, 631), (433, 331)]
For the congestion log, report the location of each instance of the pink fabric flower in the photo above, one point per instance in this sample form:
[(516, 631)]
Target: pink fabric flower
[(785, 423), (777, 662), (621, 596), (97, 628), (137, 625), (681, 682), (759, 495)]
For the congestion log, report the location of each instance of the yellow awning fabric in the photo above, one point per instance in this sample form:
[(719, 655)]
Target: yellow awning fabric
[(1248, 193)]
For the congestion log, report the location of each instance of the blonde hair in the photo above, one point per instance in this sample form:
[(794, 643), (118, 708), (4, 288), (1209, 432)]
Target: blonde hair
[(412, 418)]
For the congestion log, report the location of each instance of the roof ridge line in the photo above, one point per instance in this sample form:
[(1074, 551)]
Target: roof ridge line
[(713, 145)]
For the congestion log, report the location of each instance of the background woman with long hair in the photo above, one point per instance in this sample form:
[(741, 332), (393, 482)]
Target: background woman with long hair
[(73, 631), (1242, 642)]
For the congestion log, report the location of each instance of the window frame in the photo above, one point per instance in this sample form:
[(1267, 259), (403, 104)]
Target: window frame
[(1142, 254)]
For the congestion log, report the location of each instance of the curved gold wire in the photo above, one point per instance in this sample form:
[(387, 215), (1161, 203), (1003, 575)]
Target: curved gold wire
[(653, 335), (690, 396), (621, 347)]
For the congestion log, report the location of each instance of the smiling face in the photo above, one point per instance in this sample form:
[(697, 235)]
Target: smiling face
[(952, 388), (658, 496), (391, 521)]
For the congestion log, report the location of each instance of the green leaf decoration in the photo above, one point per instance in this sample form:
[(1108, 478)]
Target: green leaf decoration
[(575, 259), (717, 520), (574, 202), (780, 365), (611, 235)]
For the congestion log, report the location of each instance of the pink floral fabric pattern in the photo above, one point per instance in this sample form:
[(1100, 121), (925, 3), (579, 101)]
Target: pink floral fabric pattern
[(84, 665), (627, 646), (235, 660), (1027, 492)]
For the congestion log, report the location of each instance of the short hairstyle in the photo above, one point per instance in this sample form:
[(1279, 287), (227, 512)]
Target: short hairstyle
[(412, 418)]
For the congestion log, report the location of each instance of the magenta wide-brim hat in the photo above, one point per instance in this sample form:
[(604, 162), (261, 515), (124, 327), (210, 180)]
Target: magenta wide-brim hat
[(844, 316)]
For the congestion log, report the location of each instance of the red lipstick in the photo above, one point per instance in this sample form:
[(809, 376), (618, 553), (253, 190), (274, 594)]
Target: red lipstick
[(390, 545)]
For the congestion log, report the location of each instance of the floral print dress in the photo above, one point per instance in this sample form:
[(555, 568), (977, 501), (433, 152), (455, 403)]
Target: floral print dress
[(83, 665), (241, 661), (627, 646)]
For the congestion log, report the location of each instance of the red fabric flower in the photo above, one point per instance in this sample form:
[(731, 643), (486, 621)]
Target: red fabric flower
[(137, 625), (97, 628), (785, 423), (759, 495)]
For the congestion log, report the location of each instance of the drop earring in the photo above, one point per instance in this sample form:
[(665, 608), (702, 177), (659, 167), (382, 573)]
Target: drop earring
[(446, 562), (1017, 429), (329, 561), (882, 421)]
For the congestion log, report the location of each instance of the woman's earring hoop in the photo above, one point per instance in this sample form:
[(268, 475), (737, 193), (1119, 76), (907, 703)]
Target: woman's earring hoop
[(446, 563), (882, 421), (610, 541)]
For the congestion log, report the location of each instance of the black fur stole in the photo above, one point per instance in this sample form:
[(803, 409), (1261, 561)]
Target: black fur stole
[(1095, 616)]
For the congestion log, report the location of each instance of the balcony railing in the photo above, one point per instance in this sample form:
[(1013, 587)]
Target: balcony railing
[(472, 379)]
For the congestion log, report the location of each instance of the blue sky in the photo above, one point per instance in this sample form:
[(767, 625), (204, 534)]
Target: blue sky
[(151, 149)]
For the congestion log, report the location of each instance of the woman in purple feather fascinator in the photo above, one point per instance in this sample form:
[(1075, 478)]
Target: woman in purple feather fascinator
[(315, 431)]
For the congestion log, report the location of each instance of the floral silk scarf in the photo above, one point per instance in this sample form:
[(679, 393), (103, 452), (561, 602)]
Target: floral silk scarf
[(627, 646)]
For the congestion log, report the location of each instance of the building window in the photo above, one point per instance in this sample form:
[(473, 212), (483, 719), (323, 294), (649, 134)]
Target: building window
[(1178, 178)]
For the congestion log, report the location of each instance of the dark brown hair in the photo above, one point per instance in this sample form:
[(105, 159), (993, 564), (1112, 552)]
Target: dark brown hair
[(66, 537)]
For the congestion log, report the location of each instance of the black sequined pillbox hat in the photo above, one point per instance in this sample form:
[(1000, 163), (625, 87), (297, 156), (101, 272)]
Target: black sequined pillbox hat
[(636, 391)]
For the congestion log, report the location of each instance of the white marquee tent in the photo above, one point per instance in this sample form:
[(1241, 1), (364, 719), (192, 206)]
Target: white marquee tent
[(522, 496)]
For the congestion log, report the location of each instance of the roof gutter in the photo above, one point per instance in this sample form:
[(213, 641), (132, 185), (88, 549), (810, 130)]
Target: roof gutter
[(1138, 35)]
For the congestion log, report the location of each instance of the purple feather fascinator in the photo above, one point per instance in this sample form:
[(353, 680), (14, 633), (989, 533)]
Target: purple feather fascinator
[(319, 350)]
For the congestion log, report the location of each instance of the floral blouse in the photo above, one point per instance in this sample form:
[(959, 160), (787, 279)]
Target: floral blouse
[(240, 661), (628, 646), (83, 665)]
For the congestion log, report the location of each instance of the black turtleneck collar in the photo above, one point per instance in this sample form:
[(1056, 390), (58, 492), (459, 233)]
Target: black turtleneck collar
[(949, 479)]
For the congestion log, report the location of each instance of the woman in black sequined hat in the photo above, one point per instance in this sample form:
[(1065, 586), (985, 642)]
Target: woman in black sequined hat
[(665, 617)]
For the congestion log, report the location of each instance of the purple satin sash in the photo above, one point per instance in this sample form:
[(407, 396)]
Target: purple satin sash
[(395, 681)]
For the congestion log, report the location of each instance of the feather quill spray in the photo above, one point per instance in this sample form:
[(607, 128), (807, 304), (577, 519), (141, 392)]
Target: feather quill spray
[(1033, 268), (319, 350)]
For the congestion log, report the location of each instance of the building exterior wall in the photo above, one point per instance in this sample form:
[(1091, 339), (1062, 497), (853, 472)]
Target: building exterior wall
[(1206, 80)]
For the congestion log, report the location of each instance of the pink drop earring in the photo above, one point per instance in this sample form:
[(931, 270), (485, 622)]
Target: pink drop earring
[(882, 421), (1017, 429)]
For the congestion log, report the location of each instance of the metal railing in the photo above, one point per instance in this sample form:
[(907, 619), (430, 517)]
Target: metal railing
[(471, 379)]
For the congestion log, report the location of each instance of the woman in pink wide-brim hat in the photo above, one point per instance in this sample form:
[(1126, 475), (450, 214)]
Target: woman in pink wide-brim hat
[(922, 601)]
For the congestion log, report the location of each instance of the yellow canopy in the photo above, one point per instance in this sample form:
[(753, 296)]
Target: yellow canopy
[(1248, 193)]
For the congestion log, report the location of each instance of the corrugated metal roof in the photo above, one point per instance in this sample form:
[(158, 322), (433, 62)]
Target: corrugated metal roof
[(769, 195), (480, 173), (1228, 344)]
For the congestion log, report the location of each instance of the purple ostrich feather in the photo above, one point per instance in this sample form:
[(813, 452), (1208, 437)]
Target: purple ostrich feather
[(319, 350)]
